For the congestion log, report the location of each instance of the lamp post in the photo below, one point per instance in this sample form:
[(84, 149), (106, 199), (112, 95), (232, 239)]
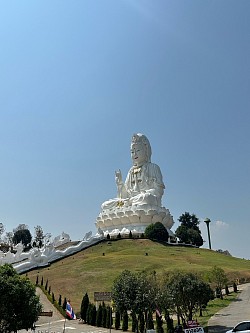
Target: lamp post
[(207, 221)]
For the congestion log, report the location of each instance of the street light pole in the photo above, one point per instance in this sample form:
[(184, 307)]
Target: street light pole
[(207, 221)]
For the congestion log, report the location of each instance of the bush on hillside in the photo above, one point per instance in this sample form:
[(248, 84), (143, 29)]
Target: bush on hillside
[(156, 231)]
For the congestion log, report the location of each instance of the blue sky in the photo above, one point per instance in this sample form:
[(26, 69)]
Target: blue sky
[(78, 78)]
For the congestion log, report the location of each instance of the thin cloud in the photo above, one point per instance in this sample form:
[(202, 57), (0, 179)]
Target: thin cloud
[(221, 225)]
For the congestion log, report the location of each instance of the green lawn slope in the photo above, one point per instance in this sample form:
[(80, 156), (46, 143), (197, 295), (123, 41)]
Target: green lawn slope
[(94, 269)]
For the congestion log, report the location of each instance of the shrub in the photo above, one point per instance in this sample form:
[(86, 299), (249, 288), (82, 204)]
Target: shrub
[(91, 314), (64, 303), (99, 316), (109, 320), (156, 231), (84, 307), (104, 315), (88, 314), (117, 320)]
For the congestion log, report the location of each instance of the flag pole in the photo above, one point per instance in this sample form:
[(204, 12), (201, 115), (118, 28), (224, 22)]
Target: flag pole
[(64, 325)]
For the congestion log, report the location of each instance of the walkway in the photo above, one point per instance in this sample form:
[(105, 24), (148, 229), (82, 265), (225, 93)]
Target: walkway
[(237, 311)]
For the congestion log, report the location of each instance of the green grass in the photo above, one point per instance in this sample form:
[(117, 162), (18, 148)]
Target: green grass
[(95, 268)]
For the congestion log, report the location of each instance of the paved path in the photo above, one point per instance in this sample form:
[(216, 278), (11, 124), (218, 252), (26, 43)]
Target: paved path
[(237, 311), (47, 306)]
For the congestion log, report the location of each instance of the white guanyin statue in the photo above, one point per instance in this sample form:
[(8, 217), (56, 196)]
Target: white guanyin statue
[(138, 202)]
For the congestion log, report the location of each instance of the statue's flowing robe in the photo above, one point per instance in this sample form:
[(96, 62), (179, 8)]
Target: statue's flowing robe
[(143, 186)]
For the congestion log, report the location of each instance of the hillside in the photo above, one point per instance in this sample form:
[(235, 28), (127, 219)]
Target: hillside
[(95, 268)]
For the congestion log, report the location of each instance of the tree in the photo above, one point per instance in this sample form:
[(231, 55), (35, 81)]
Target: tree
[(156, 231), (123, 291), (91, 315), (218, 278), (53, 298), (125, 321), (99, 316), (135, 292), (64, 303), (109, 319), (21, 226), (39, 236), (19, 304), (169, 322), (22, 236), (134, 322), (150, 321), (84, 307), (104, 315), (189, 231), (1, 229), (8, 238), (159, 324), (186, 293), (141, 325), (88, 315)]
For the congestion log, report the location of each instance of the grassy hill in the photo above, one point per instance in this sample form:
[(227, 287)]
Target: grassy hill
[(95, 268)]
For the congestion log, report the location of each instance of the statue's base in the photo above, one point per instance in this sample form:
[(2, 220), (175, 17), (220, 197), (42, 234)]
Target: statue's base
[(135, 219)]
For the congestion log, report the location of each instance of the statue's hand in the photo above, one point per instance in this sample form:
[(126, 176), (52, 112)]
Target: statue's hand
[(118, 177)]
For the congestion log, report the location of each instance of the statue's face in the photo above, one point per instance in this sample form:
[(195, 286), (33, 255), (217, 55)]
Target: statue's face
[(138, 154)]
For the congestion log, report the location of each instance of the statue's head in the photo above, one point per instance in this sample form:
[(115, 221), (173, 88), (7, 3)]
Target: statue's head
[(140, 150)]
